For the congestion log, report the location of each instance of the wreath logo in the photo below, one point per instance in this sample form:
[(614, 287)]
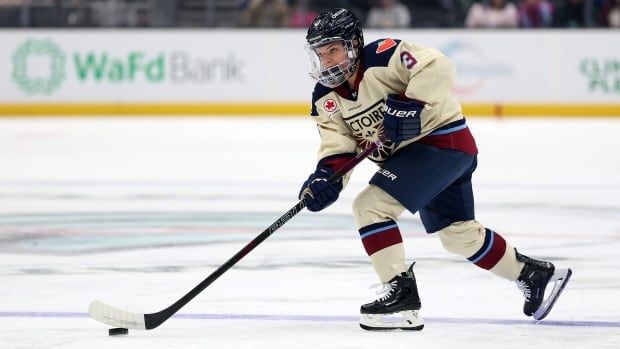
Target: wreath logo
[(22, 73)]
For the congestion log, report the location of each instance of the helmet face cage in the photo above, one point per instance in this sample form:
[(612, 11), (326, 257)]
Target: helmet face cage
[(334, 75), (335, 25)]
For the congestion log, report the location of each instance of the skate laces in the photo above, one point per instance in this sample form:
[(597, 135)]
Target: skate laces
[(527, 292), (386, 289)]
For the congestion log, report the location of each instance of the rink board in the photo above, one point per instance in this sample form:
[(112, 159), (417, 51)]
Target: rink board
[(208, 72)]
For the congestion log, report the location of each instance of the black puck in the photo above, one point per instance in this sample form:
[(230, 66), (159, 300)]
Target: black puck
[(117, 331)]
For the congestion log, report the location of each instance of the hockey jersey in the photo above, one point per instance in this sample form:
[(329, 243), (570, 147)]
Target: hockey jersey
[(351, 119)]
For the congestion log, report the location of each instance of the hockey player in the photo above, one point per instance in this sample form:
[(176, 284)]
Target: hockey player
[(399, 92)]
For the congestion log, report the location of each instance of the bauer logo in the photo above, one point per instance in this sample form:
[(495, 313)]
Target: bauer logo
[(38, 66), (391, 176)]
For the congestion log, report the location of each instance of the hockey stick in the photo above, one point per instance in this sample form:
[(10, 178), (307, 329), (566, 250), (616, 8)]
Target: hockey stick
[(113, 316)]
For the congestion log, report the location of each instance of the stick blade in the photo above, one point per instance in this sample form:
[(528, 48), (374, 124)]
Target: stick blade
[(113, 316)]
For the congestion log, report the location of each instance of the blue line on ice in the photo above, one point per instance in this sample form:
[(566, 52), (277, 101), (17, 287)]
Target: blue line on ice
[(276, 317)]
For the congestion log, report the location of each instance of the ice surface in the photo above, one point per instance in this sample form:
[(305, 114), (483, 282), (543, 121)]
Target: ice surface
[(136, 212)]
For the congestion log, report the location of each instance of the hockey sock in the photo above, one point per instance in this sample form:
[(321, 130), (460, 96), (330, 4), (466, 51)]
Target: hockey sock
[(497, 256), (483, 247), (384, 244)]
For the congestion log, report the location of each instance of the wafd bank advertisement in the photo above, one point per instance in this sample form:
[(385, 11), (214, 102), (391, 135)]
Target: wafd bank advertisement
[(160, 66), (268, 67)]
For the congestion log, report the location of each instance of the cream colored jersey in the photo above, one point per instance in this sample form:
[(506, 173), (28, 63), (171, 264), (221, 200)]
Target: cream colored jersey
[(349, 120)]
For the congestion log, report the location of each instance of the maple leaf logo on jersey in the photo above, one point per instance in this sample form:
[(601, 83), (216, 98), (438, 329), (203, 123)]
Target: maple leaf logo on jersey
[(330, 106), (385, 45)]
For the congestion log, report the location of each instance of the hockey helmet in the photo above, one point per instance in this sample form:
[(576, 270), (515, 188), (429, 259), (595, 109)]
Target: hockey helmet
[(335, 25)]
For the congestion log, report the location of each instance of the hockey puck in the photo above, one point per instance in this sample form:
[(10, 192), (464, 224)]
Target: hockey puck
[(117, 331)]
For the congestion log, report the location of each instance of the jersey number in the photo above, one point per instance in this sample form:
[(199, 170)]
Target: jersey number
[(408, 59)]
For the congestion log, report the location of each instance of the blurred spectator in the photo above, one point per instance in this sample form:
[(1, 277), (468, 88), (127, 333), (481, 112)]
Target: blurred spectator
[(571, 13), (163, 13), (536, 13), (266, 13), (492, 14), (610, 14), (73, 13), (11, 13), (432, 13), (389, 14), (12, 3), (301, 15), (110, 13)]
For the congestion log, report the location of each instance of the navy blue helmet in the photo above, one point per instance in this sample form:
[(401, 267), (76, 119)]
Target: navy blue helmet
[(335, 25)]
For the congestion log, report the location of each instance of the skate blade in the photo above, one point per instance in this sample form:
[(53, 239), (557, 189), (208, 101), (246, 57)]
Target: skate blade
[(560, 278), (410, 321)]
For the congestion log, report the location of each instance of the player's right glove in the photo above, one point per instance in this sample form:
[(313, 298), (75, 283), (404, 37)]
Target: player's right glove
[(317, 192), (402, 118)]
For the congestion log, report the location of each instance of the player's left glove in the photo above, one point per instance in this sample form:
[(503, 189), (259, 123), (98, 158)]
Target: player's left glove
[(317, 192), (402, 118)]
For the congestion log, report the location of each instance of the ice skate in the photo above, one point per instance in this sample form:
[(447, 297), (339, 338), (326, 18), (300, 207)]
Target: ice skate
[(533, 281), (400, 298)]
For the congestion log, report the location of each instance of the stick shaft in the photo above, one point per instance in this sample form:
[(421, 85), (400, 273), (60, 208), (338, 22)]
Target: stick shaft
[(155, 319)]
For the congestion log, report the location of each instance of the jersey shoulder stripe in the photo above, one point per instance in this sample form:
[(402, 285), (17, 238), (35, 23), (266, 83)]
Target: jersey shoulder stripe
[(319, 92), (379, 52)]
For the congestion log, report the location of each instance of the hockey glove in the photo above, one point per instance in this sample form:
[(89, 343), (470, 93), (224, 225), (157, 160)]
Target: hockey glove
[(317, 192), (402, 119)]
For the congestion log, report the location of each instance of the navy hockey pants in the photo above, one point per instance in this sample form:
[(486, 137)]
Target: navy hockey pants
[(436, 182)]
